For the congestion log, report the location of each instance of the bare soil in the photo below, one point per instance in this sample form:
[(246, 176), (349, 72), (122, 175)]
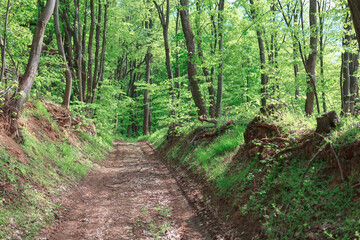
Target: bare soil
[(131, 195)]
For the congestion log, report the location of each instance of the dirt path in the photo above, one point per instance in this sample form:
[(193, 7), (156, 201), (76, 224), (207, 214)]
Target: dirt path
[(131, 196)]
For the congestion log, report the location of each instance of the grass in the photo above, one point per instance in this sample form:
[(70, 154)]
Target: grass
[(288, 206), (156, 221), (29, 192)]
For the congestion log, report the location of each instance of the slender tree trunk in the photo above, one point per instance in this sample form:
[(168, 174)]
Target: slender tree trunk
[(146, 128), (148, 60), (296, 70), (83, 49), (77, 28), (165, 20), (177, 65), (346, 68), (27, 80), (97, 50), (311, 61), (3, 59), (3, 43), (212, 72), (264, 77), (191, 66), (67, 72), (206, 72), (100, 76), (90, 52), (322, 77), (341, 80), (219, 95), (295, 55), (68, 43), (355, 13), (354, 81)]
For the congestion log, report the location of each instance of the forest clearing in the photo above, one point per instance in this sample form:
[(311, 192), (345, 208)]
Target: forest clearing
[(179, 119)]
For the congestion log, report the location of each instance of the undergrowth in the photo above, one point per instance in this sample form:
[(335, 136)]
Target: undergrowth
[(274, 192), (29, 192)]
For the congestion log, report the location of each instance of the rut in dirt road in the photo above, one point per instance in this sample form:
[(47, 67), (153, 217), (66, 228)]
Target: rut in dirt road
[(132, 195)]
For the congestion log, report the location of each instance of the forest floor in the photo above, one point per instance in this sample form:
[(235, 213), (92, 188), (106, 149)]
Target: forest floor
[(131, 195)]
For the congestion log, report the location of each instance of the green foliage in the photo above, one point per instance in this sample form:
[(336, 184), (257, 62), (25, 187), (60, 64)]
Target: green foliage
[(288, 206), (158, 137), (291, 210)]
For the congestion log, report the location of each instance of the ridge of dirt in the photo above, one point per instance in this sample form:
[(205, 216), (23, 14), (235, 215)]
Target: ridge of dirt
[(132, 195)]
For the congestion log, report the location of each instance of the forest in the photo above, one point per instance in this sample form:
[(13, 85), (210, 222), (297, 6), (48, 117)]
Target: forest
[(232, 92)]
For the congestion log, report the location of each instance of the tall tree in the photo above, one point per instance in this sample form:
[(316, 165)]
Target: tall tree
[(148, 60), (310, 62), (3, 43), (259, 34), (191, 65), (221, 64), (355, 13), (165, 21), (90, 52), (345, 68), (27, 80), (79, 58), (67, 72)]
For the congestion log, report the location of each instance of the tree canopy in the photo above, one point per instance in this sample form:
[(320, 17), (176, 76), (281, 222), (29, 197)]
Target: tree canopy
[(135, 66)]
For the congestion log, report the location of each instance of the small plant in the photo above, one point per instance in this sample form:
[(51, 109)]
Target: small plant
[(162, 210)]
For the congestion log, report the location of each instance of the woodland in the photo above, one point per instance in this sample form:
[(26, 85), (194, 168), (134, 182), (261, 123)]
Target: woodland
[(134, 66), (263, 81)]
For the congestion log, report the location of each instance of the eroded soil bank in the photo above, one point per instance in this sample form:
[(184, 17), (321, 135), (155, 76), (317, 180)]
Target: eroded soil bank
[(132, 195)]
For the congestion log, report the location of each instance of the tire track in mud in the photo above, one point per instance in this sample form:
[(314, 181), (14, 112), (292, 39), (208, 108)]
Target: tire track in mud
[(131, 195)]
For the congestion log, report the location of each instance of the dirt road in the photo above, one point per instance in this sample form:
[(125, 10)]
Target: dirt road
[(131, 195)]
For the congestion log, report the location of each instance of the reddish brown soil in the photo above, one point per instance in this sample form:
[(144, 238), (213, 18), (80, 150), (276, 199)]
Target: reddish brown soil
[(131, 195)]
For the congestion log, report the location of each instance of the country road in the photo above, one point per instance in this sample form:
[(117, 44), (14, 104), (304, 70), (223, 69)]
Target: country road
[(131, 195)]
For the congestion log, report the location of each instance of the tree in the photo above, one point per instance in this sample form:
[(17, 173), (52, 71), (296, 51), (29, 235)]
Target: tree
[(27, 80), (191, 65), (264, 77), (355, 13), (310, 62), (220, 76), (67, 71)]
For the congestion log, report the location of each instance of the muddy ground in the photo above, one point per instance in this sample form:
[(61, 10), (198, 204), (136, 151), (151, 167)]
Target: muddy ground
[(132, 195)]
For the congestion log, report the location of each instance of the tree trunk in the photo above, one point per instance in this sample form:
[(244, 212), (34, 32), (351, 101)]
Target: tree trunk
[(90, 52), (346, 69), (67, 95), (219, 95), (212, 73), (83, 48), (354, 82), (341, 80), (311, 61), (191, 66), (165, 20), (3, 43), (100, 76), (355, 13), (146, 128), (148, 60), (97, 50), (77, 34), (27, 80), (264, 77), (177, 66), (322, 43)]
